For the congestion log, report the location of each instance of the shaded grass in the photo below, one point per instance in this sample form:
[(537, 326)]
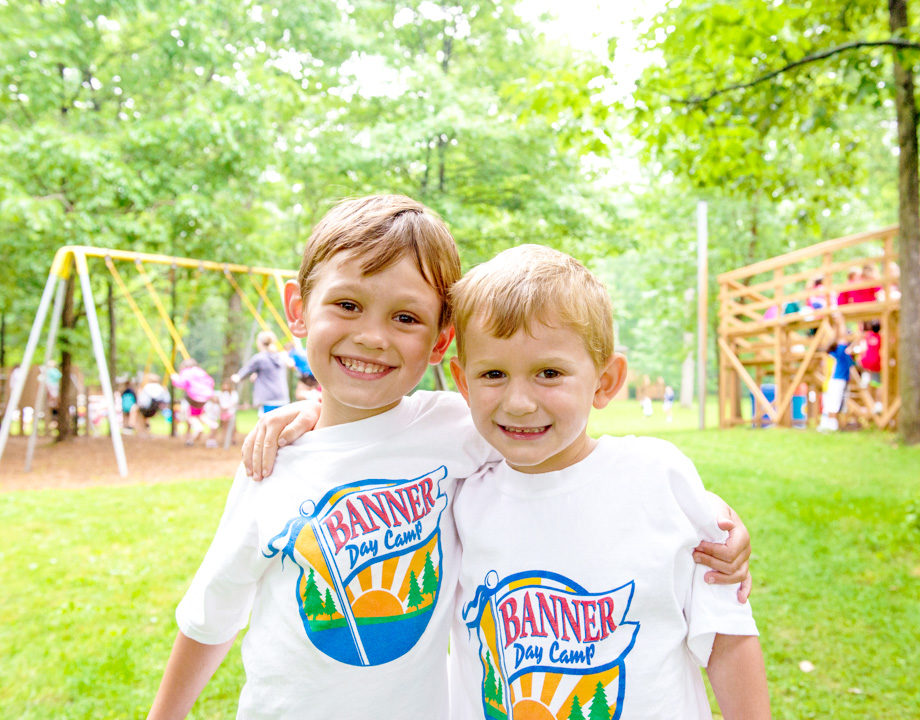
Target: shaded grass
[(91, 577)]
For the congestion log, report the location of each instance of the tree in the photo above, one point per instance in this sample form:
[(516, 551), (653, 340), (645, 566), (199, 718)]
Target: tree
[(492, 688), (415, 598), (600, 710), (781, 77), (329, 604), (429, 577), (575, 713), (312, 601)]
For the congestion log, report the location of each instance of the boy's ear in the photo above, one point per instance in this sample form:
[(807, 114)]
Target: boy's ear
[(293, 308), (440, 347), (456, 371), (610, 381)]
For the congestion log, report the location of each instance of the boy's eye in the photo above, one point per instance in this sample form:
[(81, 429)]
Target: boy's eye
[(549, 374), (493, 375), (406, 318), (348, 305)]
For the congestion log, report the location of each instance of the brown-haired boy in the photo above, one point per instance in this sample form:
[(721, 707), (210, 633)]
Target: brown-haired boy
[(345, 558)]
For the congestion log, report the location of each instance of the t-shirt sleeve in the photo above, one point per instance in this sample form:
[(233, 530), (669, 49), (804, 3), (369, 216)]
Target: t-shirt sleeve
[(218, 602), (709, 609)]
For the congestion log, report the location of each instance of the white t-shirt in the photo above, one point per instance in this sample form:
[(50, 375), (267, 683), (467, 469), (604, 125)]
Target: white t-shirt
[(579, 586), (347, 559)]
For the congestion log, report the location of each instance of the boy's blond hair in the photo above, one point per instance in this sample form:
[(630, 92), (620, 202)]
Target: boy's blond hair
[(532, 283), (381, 230)]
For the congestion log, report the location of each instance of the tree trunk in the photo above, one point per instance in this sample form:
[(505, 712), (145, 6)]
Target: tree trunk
[(68, 392), (909, 237)]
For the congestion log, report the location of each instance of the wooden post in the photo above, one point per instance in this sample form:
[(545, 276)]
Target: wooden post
[(702, 306)]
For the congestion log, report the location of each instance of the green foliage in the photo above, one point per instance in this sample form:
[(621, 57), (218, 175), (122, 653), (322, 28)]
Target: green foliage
[(224, 130)]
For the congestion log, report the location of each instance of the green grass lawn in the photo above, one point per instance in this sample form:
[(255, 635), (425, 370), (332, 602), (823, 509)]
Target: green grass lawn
[(90, 578)]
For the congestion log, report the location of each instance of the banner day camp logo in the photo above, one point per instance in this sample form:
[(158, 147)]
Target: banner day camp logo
[(549, 648), (369, 555)]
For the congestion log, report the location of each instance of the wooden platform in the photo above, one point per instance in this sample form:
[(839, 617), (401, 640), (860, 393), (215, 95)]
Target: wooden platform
[(787, 347)]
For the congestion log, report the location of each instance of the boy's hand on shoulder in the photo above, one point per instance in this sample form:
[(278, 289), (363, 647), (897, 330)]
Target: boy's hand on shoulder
[(274, 430), (728, 560)]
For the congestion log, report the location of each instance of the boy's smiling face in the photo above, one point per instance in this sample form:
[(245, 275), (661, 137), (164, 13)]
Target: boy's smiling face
[(369, 338), (531, 394)]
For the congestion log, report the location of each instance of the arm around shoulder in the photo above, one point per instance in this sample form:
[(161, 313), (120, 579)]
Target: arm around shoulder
[(189, 668), (738, 677)]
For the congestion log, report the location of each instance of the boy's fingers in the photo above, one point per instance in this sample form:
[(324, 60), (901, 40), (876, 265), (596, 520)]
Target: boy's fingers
[(255, 452), (726, 576), (246, 450), (744, 591), (270, 447)]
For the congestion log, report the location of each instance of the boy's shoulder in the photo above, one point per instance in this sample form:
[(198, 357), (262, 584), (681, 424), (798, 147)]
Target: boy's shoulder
[(423, 417), (643, 449)]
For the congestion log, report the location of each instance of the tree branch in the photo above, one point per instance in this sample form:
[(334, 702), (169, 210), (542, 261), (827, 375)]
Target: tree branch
[(824, 54)]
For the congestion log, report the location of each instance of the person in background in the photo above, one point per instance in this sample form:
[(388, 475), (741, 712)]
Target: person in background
[(847, 296), (837, 374), (228, 399), (870, 360), (668, 406), (152, 398), (305, 380), (268, 369), (198, 387), (128, 401)]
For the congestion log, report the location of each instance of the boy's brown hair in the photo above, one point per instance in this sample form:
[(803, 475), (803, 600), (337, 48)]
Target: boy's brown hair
[(381, 230), (532, 283)]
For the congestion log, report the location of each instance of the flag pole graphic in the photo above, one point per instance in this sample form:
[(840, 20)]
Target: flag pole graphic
[(344, 605)]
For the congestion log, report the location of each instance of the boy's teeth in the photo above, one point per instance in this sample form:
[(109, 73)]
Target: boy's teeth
[(525, 430), (363, 367)]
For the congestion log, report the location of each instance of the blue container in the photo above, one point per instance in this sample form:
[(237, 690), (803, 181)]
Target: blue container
[(769, 391), (799, 408), (799, 414)]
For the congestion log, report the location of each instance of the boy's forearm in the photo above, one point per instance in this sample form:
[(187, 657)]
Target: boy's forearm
[(191, 664), (738, 677)]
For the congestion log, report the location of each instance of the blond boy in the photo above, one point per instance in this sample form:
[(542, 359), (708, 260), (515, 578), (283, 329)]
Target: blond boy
[(578, 593)]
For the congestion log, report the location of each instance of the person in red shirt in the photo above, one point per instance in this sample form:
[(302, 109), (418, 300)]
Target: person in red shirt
[(871, 361)]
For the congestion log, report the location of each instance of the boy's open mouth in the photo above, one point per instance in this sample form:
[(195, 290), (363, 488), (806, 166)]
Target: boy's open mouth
[(362, 367), (524, 432)]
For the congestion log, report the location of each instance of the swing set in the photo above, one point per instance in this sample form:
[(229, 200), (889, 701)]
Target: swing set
[(265, 282)]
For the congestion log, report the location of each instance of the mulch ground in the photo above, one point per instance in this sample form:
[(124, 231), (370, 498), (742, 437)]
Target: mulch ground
[(83, 462)]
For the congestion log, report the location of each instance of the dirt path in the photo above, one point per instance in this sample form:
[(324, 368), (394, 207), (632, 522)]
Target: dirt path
[(84, 462)]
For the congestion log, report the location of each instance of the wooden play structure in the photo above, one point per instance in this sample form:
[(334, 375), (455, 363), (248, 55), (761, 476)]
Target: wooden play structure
[(772, 337), (260, 291)]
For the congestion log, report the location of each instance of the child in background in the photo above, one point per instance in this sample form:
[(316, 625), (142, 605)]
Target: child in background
[(345, 561), (210, 418), (228, 399), (870, 359), (268, 369), (577, 582), (198, 387), (836, 375)]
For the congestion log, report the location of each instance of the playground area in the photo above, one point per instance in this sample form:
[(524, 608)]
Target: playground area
[(87, 461)]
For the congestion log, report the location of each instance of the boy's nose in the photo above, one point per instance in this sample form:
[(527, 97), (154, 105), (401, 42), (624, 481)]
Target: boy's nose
[(517, 400), (370, 334)]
